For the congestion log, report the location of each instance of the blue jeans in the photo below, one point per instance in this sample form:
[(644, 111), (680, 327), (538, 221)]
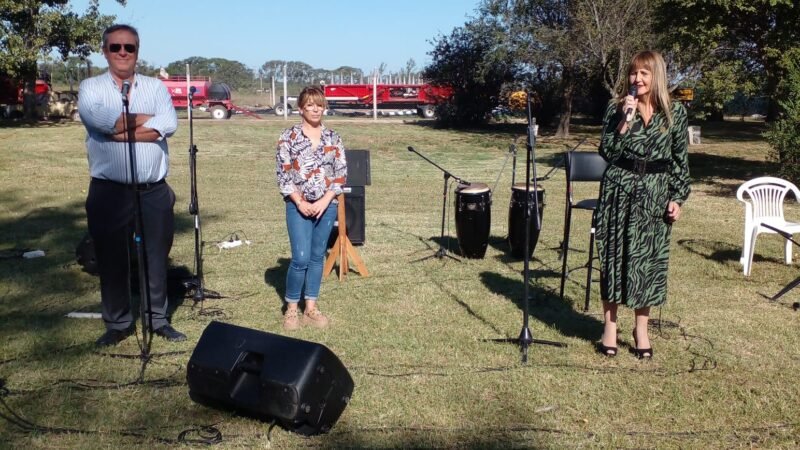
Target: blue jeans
[(308, 237)]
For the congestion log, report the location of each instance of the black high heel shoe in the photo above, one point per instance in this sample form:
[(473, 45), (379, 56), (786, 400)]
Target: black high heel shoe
[(608, 352), (641, 353)]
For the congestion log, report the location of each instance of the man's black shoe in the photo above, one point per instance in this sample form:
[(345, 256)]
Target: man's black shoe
[(114, 337), (170, 334)]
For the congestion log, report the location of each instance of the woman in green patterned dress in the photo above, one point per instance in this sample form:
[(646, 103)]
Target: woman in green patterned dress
[(645, 143)]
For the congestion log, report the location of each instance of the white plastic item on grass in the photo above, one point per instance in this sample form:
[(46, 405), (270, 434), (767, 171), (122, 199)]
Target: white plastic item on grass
[(33, 254)]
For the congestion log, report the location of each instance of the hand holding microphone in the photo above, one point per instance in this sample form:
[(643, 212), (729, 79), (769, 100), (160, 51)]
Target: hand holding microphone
[(630, 103)]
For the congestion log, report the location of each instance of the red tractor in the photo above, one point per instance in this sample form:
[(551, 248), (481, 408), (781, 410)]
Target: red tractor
[(207, 96)]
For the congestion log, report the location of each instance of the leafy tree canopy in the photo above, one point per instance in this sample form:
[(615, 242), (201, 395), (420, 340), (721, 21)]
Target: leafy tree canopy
[(233, 73), (475, 61), (704, 33), (30, 29)]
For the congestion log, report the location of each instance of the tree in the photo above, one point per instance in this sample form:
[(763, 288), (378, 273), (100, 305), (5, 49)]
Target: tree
[(756, 32), (610, 32), (571, 40), (410, 69), (347, 73), (474, 60), (233, 73), (717, 86), (69, 71), (32, 28), (784, 134)]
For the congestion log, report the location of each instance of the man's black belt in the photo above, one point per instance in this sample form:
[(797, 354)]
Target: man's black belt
[(642, 166), (138, 187)]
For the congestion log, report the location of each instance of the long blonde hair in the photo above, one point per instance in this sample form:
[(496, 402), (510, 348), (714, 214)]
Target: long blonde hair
[(659, 92)]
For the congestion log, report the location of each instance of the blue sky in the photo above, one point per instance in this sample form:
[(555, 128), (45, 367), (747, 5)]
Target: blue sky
[(324, 34)]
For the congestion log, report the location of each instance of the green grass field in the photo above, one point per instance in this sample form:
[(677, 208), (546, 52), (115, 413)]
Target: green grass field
[(415, 336)]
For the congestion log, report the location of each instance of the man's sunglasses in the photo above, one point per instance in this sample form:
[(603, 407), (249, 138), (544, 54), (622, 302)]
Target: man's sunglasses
[(115, 48)]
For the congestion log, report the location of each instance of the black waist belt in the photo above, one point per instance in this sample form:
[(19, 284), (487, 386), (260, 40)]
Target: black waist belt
[(138, 187), (642, 166)]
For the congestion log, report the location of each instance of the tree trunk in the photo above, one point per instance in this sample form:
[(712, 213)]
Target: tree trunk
[(29, 99), (566, 105), (716, 115), (773, 108)]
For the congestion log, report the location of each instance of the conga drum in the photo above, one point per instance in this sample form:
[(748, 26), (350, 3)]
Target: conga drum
[(516, 219), (473, 218)]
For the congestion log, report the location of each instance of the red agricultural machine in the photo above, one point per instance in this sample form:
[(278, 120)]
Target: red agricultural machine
[(207, 96), (50, 104), (420, 97)]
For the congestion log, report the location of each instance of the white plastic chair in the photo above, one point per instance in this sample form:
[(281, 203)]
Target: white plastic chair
[(765, 206)]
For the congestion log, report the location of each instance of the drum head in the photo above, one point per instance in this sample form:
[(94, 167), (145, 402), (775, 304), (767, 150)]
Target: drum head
[(474, 188), (521, 187)]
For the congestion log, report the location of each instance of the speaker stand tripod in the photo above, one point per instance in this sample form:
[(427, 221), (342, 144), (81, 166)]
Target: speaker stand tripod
[(343, 249)]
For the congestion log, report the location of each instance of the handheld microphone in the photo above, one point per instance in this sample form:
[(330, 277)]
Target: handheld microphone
[(629, 112), (126, 88)]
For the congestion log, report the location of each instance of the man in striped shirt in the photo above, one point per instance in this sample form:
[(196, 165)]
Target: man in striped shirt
[(110, 202)]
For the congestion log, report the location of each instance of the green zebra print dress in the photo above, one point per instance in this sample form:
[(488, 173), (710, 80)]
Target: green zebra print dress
[(632, 234)]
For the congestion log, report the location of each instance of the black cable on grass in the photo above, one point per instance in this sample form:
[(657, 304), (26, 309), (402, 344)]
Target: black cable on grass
[(698, 362), (206, 434), (211, 435)]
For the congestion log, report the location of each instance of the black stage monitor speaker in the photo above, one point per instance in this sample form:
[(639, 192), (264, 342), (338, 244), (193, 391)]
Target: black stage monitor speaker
[(302, 385), (358, 169), (354, 210)]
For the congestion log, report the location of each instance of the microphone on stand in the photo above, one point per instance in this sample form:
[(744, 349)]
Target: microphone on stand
[(126, 88), (629, 112), (411, 149)]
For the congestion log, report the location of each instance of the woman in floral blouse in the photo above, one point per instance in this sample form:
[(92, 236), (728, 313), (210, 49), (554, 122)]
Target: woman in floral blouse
[(311, 169)]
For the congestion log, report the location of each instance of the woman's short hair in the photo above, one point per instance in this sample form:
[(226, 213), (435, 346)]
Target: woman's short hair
[(311, 94)]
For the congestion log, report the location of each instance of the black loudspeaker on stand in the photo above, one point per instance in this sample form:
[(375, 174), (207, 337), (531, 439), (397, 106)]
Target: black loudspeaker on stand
[(301, 385), (358, 176)]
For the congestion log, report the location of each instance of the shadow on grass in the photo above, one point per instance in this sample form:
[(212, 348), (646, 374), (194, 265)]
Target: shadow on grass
[(276, 276), (724, 253), (733, 130), (707, 168), (449, 243), (718, 251), (40, 292), (545, 306)]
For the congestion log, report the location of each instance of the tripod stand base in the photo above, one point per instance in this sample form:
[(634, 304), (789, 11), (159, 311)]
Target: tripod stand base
[(520, 342), (440, 254), (524, 341), (196, 292)]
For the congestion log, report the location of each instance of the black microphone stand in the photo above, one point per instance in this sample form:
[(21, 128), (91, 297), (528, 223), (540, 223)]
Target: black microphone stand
[(195, 284), (513, 149), (525, 338), (145, 303), (442, 252)]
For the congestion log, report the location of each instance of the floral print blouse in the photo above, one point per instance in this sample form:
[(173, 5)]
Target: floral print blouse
[(307, 170)]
